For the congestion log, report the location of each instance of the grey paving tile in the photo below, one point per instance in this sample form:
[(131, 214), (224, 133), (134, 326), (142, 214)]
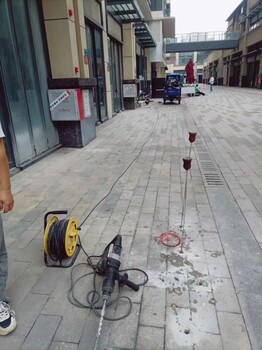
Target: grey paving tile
[(123, 334), (222, 255), (241, 252), (152, 312), (250, 302), (22, 287), (212, 242), (17, 268), (208, 225), (89, 334), (206, 341), (225, 297), (254, 220), (31, 306), (140, 247), (62, 346), (26, 237), (178, 329), (203, 312), (178, 297), (71, 326), (47, 282), (150, 338), (42, 333), (233, 331), (12, 342), (145, 220), (217, 264)]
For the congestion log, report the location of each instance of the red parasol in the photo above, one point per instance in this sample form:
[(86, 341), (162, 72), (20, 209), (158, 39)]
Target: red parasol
[(190, 72)]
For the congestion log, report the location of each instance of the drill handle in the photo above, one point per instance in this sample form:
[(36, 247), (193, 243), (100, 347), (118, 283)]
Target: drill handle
[(132, 285), (123, 281)]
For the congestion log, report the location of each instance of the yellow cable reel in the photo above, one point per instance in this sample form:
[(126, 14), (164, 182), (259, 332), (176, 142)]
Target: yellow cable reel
[(47, 228), (71, 235)]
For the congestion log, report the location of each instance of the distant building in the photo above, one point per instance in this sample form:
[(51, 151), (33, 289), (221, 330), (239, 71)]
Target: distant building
[(242, 66)]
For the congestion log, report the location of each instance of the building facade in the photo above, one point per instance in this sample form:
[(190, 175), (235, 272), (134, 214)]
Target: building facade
[(68, 65), (242, 66)]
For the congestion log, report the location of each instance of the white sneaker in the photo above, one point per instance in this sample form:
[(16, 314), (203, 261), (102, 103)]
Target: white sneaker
[(7, 319)]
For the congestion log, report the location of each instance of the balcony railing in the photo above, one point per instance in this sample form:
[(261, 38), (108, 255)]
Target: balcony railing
[(203, 36)]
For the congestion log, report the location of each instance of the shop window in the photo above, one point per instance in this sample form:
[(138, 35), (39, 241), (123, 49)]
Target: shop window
[(96, 70)]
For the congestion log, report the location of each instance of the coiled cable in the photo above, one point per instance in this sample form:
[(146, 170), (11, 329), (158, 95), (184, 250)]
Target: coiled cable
[(56, 240), (93, 297)]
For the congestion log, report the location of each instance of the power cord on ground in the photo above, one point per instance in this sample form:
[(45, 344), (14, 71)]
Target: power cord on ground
[(55, 243), (119, 177), (93, 297)]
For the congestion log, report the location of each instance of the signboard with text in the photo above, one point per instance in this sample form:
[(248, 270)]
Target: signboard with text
[(74, 106)]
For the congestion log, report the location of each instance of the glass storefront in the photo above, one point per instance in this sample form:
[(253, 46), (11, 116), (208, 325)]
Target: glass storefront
[(115, 64), (96, 70), (24, 81)]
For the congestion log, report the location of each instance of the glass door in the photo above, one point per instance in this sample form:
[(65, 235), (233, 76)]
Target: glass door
[(101, 91), (13, 85), (30, 83), (91, 66), (115, 75), (24, 79), (96, 70)]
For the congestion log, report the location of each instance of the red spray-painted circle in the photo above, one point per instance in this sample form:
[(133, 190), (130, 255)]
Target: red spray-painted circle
[(170, 239)]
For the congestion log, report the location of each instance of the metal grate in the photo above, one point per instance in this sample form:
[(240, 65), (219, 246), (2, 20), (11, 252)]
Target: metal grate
[(209, 171), (212, 179)]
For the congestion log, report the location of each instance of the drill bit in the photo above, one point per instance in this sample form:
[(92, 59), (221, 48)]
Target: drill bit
[(100, 324)]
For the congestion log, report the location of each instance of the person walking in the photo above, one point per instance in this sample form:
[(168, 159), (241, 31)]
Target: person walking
[(7, 316), (211, 82)]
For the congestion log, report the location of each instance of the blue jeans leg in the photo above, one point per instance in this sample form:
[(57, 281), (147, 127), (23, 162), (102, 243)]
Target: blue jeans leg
[(3, 263)]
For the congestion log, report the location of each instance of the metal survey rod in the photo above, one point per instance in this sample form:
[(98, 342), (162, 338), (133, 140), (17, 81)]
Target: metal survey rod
[(186, 166)]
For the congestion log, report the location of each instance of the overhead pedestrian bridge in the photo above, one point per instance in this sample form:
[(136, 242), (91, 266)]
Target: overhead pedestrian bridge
[(203, 41)]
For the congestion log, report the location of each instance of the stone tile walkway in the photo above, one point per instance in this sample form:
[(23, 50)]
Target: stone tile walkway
[(207, 296)]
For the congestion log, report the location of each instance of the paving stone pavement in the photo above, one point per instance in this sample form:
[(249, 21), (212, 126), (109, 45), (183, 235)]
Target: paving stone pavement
[(206, 296)]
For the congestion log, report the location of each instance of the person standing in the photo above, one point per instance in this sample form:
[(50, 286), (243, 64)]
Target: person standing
[(211, 82), (7, 316)]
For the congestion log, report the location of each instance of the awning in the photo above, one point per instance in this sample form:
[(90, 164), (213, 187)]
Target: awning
[(125, 11), (143, 35)]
